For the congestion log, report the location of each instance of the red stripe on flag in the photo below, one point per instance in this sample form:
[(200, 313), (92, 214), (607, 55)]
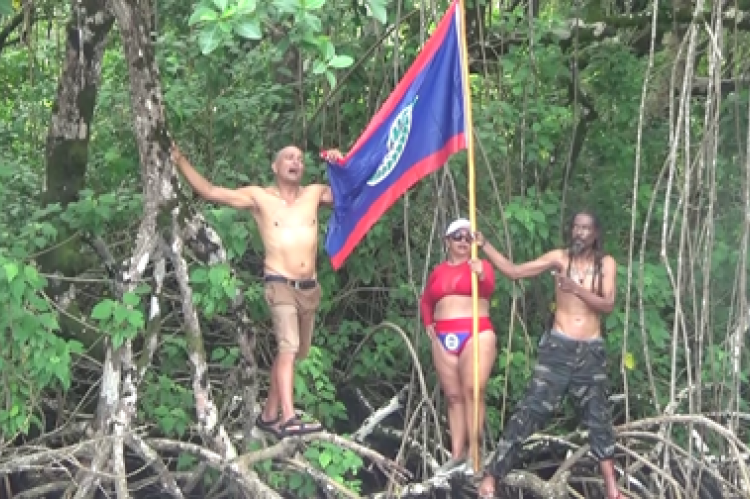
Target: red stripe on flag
[(424, 57), (415, 173)]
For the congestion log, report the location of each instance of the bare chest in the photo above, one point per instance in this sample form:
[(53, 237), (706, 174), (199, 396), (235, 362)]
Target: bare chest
[(276, 213)]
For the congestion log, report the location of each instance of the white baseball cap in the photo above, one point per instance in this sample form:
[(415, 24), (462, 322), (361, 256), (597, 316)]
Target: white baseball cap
[(456, 225)]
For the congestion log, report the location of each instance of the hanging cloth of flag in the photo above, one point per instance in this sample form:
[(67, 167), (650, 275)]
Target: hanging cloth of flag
[(417, 129)]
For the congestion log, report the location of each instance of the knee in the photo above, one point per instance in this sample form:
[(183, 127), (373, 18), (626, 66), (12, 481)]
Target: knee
[(454, 399), (301, 354), (285, 359), (469, 392)]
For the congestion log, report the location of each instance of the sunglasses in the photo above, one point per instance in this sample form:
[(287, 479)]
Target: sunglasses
[(461, 236)]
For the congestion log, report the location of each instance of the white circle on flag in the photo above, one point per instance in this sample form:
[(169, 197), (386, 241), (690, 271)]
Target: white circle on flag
[(451, 342)]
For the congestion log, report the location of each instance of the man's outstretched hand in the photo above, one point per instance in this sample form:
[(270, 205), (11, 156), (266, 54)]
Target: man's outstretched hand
[(175, 152), (331, 155)]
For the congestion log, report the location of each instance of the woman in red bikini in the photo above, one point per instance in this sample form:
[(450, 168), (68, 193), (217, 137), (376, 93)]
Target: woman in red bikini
[(446, 308)]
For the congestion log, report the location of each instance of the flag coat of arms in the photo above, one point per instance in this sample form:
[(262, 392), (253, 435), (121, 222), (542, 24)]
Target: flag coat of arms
[(412, 135)]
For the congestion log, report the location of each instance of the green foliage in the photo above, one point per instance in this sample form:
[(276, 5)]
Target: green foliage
[(339, 464), (314, 390), (32, 357), (170, 405), (6, 8), (220, 21), (96, 213), (214, 288), (120, 319)]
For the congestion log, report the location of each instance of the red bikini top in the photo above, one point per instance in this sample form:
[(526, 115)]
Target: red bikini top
[(453, 280)]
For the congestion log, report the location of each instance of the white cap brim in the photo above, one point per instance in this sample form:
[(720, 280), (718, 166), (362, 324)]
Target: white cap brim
[(456, 225)]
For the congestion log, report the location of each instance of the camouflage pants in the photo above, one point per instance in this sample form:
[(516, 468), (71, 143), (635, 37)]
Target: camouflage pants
[(564, 365)]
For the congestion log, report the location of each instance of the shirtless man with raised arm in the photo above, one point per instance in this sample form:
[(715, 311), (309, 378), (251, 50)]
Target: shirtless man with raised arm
[(571, 357), (287, 218)]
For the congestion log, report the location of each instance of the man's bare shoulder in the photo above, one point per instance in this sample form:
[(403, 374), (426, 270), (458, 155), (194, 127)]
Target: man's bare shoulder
[(608, 261), (558, 255), (316, 188), (250, 190), (322, 193)]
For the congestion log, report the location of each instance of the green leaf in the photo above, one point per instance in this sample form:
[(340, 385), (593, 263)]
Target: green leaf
[(209, 39), (218, 354), (121, 314), (312, 4), (199, 275), (185, 461), (202, 14), (340, 61), (11, 268), (167, 424), (48, 321), (247, 6), (325, 458), (319, 68), (249, 29), (135, 318), (131, 299), (331, 79), (378, 11), (117, 340), (75, 346), (6, 8), (295, 481), (225, 27), (103, 309), (286, 6), (221, 5), (216, 275)]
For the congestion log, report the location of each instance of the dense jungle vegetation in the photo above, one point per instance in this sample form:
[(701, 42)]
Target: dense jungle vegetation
[(135, 338)]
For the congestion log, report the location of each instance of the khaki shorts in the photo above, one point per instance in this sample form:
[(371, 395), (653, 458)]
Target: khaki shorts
[(293, 312)]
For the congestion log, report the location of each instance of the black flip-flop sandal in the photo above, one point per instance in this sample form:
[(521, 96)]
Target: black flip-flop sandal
[(303, 428), (268, 426)]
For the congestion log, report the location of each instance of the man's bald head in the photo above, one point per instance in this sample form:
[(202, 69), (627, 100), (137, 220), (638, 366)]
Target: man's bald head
[(287, 151), (288, 165)]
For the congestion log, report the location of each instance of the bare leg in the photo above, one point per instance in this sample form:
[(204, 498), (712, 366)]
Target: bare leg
[(610, 480), (284, 373), (281, 391), (271, 410), (487, 355), (446, 366)]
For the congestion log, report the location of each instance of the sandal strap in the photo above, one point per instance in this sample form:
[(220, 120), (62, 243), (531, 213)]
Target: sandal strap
[(259, 421), (302, 427)]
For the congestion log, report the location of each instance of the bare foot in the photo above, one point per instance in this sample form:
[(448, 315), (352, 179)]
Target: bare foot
[(486, 489)]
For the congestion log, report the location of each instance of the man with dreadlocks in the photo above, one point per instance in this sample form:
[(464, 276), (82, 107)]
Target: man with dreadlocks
[(571, 356)]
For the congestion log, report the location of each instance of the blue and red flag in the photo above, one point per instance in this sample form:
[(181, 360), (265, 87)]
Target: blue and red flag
[(415, 132)]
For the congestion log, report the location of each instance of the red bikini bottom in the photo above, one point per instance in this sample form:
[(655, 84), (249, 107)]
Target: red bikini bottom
[(454, 333)]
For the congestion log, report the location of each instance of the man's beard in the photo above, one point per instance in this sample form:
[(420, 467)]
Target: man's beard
[(577, 247)]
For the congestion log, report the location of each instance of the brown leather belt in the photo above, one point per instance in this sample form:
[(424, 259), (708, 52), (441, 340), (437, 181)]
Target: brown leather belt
[(296, 284)]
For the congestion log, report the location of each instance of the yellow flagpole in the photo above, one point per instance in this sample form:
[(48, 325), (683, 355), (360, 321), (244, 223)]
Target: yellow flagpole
[(469, 134)]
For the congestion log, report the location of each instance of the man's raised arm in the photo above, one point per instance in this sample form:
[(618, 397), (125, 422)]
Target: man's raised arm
[(236, 198), (326, 194), (548, 261)]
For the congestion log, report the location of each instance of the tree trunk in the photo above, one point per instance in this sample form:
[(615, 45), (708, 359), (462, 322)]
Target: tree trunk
[(119, 397), (70, 126)]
